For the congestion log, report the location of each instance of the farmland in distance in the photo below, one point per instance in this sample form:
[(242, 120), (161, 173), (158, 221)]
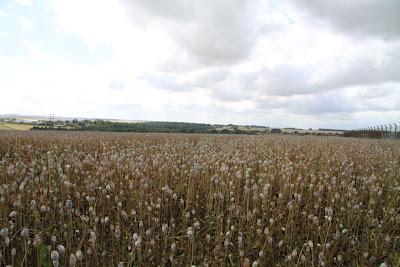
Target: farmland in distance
[(123, 199), (15, 127)]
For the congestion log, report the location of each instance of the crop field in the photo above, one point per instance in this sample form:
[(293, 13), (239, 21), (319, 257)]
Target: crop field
[(15, 126), (119, 199)]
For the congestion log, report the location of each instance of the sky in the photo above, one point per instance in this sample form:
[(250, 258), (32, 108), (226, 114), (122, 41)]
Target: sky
[(287, 63)]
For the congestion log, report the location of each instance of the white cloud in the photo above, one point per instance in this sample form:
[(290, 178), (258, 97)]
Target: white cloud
[(2, 13), (95, 21), (34, 52), (25, 23), (5, 34), (24, 2)]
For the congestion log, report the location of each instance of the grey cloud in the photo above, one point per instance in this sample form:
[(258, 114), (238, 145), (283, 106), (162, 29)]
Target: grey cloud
[(365, 71), (341, 101), (225, 34), (310, 104), (323, 103), (213, 32), (211, 77), (174, 9), (373, 92), (230, 86), (222, 85), (285, 80), (365, 17)]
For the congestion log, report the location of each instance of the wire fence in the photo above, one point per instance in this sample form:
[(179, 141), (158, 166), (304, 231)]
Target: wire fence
[(386, 131)]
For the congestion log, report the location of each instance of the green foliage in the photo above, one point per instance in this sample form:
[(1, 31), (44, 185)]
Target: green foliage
[(144, 127), (43, 257)]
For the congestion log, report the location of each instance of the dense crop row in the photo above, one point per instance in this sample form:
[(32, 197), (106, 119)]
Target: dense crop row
[(92, 199)]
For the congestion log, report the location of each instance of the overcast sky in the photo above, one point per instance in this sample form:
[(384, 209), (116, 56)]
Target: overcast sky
[(298, 63)]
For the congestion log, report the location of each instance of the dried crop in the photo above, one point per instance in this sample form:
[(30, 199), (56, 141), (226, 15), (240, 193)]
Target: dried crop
[(108, 199)]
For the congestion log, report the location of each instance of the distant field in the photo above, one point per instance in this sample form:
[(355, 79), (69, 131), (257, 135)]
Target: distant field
[(305, 131), (15, 126)]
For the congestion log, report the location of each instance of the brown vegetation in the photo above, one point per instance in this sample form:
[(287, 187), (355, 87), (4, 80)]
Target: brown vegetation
[(101, 199)]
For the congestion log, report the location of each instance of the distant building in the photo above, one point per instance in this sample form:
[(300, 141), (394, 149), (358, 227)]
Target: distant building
[(276, 130)]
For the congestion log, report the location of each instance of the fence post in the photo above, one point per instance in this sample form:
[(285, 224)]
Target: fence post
[(386, 131)]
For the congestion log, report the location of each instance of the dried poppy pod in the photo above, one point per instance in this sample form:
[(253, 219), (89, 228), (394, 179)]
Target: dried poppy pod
[(72, 260), (68, 204), (24, 232)]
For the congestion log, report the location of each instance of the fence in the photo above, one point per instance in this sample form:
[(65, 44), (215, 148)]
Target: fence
[(387, 131)]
